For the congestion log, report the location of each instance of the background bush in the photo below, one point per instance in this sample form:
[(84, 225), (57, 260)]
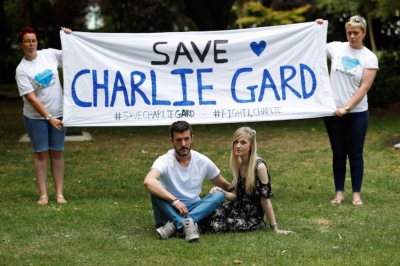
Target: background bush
[(385, 89)]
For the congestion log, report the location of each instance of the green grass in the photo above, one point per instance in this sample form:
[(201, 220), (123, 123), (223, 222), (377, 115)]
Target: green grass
[(108, 220)]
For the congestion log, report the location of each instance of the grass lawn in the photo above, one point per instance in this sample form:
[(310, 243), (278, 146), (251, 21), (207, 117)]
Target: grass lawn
[(108, 220)]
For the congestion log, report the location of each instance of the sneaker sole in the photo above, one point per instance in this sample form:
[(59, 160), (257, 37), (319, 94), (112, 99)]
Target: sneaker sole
[(162, 236), (192, 238)]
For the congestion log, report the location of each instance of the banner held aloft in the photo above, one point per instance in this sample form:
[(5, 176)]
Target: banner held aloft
[(261, 74)]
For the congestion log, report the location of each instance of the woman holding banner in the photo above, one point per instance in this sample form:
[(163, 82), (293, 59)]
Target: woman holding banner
[(39, 85), (353, 70), (251, 193)]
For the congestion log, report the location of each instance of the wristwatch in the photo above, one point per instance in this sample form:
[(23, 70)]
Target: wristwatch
[(347, 108), (48, 117)]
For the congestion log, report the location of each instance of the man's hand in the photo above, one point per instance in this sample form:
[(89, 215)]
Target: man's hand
[(181, 208), (214, 189)]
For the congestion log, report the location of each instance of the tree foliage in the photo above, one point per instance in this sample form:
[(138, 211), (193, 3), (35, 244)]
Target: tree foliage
[(387, 9), (209, 14), (255, 14), (46, 16), (144, 16), (380, 15)]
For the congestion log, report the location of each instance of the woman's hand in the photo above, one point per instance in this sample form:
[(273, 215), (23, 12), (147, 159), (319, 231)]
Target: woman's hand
[(283, 232), (58, 124), (274, 226), (340, 112), (319, 21), (278, 231), (66, 30)]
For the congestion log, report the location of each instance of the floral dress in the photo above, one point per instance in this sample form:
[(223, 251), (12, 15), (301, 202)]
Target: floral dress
[(245, 213)]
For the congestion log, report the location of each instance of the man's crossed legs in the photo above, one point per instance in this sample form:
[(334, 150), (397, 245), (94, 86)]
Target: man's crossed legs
[(169, 221)]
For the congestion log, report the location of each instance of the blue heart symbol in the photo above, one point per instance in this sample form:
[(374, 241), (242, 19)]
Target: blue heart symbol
[(258, 48), (44, 77), (349, 63)]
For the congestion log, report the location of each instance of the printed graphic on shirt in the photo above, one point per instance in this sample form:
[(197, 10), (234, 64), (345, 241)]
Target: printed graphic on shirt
[(43, 80), (347, 65)]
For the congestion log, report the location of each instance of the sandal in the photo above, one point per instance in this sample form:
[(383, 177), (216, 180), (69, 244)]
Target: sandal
[(60, 199), (357, 202), (337, 201), (43, 200)]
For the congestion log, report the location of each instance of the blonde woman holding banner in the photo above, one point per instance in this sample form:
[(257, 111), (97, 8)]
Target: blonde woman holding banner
[(353, 70)]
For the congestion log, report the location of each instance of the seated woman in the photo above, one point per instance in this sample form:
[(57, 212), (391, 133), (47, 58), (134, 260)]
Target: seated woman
[(250, 194)]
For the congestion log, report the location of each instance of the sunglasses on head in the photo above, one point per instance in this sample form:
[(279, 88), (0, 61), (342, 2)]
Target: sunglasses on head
[(356, 20)]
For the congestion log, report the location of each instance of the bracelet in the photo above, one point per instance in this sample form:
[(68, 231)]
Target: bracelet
[(273, 225), (347, 108), (174, 202)]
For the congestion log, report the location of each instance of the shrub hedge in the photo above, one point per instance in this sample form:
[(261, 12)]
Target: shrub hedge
[(386, 87)]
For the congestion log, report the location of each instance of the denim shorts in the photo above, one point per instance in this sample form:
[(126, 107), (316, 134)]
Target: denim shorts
[(44, 136)]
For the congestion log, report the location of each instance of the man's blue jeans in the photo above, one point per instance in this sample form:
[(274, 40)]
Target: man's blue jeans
[(164, 211), (347, 136)]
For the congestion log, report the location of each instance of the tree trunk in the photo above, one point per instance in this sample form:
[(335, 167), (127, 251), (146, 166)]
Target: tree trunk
[(3, 30), (26, 7), (369, 23), (371, 33)]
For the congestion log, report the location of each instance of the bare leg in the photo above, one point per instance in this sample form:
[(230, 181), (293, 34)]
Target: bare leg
[(57, 170), (40, 168)]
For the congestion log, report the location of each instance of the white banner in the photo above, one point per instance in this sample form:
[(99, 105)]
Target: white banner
[(260, 74)]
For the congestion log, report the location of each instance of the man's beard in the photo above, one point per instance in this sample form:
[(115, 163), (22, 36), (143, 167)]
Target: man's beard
[(181, 154)]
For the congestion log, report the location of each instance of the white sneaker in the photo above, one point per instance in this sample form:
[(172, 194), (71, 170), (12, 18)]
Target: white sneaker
[(166, 231), (191, 230)]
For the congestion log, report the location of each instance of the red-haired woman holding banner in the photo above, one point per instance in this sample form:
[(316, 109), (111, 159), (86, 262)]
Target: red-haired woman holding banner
[(39, 85)]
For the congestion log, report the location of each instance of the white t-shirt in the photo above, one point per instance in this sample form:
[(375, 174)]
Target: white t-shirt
[(347, 68), (41, 76), (185, 183)]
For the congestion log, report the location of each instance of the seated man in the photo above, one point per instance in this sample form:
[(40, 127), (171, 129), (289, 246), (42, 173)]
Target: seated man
[(174, 182)]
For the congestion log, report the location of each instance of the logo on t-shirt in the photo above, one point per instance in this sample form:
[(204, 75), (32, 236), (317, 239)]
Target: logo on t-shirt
[(349, 63), (43, 80), (346, 65)]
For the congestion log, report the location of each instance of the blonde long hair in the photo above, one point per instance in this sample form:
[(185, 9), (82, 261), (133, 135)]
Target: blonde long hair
[(234, 160)]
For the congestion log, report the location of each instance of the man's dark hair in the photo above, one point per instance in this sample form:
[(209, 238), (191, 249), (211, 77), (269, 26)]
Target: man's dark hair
[(180, 127)]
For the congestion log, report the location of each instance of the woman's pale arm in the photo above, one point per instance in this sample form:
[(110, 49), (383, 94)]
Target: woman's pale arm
[(39, 107), (366, 83), (267, 204)]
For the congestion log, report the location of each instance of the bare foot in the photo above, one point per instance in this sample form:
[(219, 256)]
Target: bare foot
[(339, 198), (60, 199), (357, 199), (43, 200)]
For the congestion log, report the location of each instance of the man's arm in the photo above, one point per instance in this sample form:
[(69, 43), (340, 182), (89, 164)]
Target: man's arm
[(153, 184), (219, 181)]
